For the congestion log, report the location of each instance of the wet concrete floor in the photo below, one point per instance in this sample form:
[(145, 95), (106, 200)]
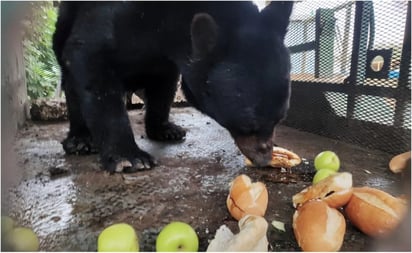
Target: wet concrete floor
[(70, 208)]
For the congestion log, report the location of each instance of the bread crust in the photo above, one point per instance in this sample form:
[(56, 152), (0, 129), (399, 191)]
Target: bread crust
[(246, 197), (317, 227), (375, 212), (335, 190), (281, 158)]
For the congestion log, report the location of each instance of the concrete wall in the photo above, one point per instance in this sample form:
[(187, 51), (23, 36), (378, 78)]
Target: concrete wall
[(13, 89)]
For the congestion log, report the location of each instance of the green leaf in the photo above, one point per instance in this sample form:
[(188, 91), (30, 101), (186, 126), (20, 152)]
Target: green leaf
[(42, 70)]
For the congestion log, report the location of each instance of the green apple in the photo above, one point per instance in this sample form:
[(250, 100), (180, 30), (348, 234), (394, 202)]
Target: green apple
[(119, 237), (322, 174), (20, 239), (177, 236), (327, 160), (7, 224)]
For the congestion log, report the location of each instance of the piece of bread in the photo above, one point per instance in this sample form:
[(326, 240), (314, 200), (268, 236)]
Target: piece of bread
[(281, 158), (317, 227), (335, 190), (246, 197), (251, 237), (375, 212), (400, 162)]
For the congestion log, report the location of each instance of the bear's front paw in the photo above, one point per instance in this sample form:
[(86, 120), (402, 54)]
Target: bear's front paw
[(79, 145), (166, 132), (139, 161)]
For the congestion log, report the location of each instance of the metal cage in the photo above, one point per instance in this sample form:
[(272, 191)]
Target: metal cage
[(351, 77)]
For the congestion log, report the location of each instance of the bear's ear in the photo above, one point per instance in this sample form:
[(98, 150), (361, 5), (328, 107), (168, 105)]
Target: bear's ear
[(204, 33), (276, 16)]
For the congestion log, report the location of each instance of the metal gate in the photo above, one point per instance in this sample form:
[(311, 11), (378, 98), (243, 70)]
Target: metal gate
[(351, 78)]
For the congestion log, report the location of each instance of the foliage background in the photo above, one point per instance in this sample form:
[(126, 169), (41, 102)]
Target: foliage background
[(42, 70)]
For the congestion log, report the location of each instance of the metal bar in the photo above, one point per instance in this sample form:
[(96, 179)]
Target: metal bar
[(342, 6), (305, 37), (404, 69), (337, 8), (326, 42), (345, 42), (302, 47), (320, 87), (359, 49), (403, 97), (317, 43), (371, 27)]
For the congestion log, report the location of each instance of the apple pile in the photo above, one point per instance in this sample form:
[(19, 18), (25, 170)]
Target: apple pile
[(326, 163), (17, 238)]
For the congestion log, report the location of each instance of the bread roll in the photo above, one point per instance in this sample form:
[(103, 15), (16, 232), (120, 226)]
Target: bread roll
[(375, 212), (317, 227), (400, 162), (251, 237), (335, 190), (281, 158), (246, 197)]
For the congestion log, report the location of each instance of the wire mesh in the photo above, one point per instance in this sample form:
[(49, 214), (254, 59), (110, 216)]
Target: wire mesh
[(335, 18), (346, 72)]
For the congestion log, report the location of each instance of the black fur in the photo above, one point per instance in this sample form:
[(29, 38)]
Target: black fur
[(234, 65)]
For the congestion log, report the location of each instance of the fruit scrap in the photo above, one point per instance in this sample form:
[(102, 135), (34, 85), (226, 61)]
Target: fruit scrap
[(279, 225)]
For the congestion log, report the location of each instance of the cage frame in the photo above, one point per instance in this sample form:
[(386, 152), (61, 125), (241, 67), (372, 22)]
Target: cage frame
[(389, 138)]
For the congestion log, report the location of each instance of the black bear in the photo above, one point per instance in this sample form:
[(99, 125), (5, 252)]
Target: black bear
[(231, 56)]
